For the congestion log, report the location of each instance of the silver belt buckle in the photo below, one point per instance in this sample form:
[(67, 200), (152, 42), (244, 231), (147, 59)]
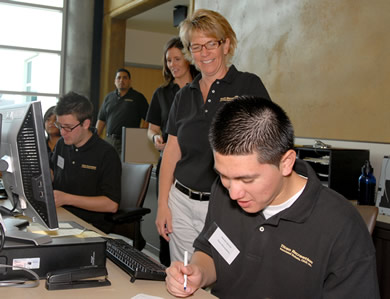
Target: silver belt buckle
[(194, 192), (191, 192)]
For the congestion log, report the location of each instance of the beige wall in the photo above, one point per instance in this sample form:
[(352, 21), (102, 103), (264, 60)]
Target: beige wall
[(145, 48), (326, 62), (143, 58)]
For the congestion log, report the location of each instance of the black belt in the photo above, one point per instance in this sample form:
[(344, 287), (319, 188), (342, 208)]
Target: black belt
[(115, 136), (202, 196)]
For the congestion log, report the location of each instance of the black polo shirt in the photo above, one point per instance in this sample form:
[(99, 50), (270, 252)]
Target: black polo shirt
[(93, 169), (190, 119), (319, 247), (126, 111), (160, 106)]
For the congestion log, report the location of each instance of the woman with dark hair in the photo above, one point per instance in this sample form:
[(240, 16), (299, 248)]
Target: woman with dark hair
[(177, 72), (53, 134)]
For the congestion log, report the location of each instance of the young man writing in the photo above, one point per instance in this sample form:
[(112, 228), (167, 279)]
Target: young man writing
[(272, 229)]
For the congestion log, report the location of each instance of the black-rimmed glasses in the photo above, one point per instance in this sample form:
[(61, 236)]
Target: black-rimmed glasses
[(211, 45), (66, 129)]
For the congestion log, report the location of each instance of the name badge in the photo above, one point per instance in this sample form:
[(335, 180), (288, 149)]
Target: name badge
[(60, 162), (224, 246)]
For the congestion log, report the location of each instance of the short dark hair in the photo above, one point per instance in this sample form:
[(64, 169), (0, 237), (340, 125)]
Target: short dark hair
[(249, 125), (76, 104), (49, 112), (123, 70)]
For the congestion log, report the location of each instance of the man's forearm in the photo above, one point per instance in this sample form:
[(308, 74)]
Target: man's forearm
[(90, 203), (100, 127), (206, 265)]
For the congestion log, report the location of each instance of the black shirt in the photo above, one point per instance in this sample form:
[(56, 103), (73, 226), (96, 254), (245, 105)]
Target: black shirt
[(190, 119), (126, 111), (161, 105), (319, 247), (93, 169)]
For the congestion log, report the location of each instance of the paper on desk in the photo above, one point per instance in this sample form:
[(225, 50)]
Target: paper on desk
[(65, 229), (144, 296)]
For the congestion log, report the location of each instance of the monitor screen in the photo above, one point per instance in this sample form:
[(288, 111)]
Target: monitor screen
[(383, 194), (24, 163)]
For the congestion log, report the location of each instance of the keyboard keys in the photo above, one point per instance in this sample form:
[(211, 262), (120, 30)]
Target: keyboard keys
[(134, 262)]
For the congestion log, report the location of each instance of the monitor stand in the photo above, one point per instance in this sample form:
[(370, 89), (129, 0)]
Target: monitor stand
[(14, 232)]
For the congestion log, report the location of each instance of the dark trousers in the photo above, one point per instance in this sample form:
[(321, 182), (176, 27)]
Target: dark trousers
[(164, 255), (116, 143)]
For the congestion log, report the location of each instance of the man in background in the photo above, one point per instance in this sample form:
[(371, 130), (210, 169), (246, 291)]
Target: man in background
[(86, 169), (272, 229), (123, 107)]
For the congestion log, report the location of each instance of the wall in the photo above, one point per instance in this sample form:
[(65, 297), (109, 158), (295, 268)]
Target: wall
[(145, 48), (326, 62), (143, 58)]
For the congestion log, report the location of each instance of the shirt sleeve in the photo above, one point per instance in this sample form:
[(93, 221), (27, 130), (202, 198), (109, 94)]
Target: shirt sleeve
[(256, 87), (356, 280), (110, 178), (171, 124), (154, 112), (144, 107), (351, 269)]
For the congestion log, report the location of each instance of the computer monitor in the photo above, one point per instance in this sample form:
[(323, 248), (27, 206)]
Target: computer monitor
[(383, 194), (24, 165)]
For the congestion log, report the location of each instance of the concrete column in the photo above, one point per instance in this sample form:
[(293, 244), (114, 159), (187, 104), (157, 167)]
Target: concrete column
[(78, 48)]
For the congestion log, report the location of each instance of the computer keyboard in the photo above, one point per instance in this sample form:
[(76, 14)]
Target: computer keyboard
[(134, 262)]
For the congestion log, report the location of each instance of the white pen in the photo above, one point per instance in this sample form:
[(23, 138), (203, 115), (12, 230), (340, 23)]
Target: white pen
[(185, 264)]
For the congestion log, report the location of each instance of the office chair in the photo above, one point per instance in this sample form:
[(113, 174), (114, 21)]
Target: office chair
[(369, 215), (127, 220)]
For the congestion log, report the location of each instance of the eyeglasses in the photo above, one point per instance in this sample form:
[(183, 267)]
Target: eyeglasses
[(211, 45), (66, 129)]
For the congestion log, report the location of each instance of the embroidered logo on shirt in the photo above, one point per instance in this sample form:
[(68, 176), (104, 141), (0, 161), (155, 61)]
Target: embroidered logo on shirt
[(128, 100), (228, 99), (88, 166), (296, 255)]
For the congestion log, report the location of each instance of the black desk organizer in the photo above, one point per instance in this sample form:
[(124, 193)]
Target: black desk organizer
[(337, 168)]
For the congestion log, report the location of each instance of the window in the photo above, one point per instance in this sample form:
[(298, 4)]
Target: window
[(31, 51)]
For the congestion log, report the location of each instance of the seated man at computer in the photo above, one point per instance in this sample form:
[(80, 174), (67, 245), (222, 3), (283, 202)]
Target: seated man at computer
[(86, 169), (272, 229)]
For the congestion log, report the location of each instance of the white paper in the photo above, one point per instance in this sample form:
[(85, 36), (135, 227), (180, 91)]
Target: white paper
[(224, 246)]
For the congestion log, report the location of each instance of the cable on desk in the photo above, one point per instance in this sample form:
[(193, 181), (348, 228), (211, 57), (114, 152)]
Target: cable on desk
[(20, 283), (15, 200)]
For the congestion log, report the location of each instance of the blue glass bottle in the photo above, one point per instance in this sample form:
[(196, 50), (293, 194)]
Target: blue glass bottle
[(367, 184)]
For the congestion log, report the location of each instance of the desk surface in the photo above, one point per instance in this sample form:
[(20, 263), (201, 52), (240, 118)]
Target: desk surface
[(121, 287), (383, 218)]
